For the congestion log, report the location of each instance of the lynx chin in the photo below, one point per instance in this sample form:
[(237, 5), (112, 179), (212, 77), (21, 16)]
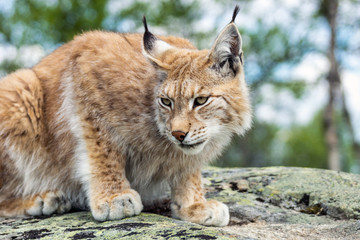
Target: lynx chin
[(110, 121)]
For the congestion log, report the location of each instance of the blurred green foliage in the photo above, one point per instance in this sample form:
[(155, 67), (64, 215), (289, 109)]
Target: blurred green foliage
[(308, 143), (50, 22), (267, 49), (10, 66), (269, 144)]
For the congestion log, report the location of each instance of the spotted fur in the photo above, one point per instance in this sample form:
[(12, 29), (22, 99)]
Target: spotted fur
[(87, 127)]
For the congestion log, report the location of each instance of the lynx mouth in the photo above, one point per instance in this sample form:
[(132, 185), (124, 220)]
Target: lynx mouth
[(191, 146)]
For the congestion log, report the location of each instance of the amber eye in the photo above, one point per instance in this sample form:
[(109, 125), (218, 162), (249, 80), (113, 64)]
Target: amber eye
[(166, 102), (200, 101)]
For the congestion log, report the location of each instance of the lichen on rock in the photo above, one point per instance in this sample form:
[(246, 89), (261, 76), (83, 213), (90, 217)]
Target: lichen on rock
[(264, 203)]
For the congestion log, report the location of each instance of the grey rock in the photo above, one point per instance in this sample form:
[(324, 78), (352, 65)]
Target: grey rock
[(264, 203)]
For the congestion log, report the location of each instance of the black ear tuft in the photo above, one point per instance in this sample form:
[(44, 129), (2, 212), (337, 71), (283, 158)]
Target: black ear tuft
[(145, 24), (149, 38), (235, 13)]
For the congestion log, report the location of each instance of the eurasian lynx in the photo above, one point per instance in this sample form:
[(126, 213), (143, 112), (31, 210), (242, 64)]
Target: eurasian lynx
[(109, 120)]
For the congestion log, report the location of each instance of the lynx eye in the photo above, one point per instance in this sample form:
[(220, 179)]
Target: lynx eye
[(166, 102), (200, 101)]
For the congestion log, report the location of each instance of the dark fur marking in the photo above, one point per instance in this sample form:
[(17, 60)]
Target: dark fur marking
[(228, 118), (75, 57), (161, 75), (23, 133), (99, 86), (111, 105), (225, 100), (127, 40)]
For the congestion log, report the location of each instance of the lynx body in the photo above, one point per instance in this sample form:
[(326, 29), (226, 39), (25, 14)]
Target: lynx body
[(108, 121)]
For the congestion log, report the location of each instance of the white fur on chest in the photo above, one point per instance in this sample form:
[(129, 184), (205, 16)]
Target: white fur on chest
[(68, 114)]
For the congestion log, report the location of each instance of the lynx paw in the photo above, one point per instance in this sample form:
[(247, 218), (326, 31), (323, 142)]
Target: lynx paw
[(210, 213), (120, 205), (48, 203)]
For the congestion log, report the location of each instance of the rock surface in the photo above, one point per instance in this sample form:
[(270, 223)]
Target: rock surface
[(265, 203)]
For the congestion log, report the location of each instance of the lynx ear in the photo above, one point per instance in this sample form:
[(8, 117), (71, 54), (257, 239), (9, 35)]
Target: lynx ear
[(226, 51), (154, 48)]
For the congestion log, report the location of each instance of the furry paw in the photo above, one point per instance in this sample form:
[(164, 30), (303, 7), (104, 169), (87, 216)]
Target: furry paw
[(48, 203), (210, 213), (120, 205)]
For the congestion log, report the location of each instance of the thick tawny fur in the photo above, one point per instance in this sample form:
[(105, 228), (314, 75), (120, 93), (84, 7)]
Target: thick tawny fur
[(88, 126)]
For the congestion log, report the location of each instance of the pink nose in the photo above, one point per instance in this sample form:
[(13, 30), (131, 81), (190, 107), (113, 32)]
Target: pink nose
[(179, 135)]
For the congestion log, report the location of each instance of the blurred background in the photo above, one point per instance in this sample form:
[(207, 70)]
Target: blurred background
[(302, 62)]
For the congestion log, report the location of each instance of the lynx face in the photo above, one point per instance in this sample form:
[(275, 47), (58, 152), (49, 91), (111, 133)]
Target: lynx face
[(190, 113), (202, 96), (185, 114)]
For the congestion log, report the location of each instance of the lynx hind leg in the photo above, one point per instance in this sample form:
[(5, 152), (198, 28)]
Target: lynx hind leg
[(21, 100), (47, 203)]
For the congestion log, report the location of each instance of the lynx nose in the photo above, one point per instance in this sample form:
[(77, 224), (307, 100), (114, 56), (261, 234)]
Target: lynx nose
[(179, 135)]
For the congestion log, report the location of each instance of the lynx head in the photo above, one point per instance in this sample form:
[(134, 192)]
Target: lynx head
[(202, 97)]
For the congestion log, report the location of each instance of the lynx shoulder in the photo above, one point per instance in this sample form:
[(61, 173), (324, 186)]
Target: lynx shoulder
[(109, 121)]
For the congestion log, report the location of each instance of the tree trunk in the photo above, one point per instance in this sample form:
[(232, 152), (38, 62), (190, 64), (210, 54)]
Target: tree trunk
[(335, 95)]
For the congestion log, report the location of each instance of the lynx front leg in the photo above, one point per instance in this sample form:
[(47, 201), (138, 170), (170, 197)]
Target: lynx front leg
[(189, 204), (109, 192)]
